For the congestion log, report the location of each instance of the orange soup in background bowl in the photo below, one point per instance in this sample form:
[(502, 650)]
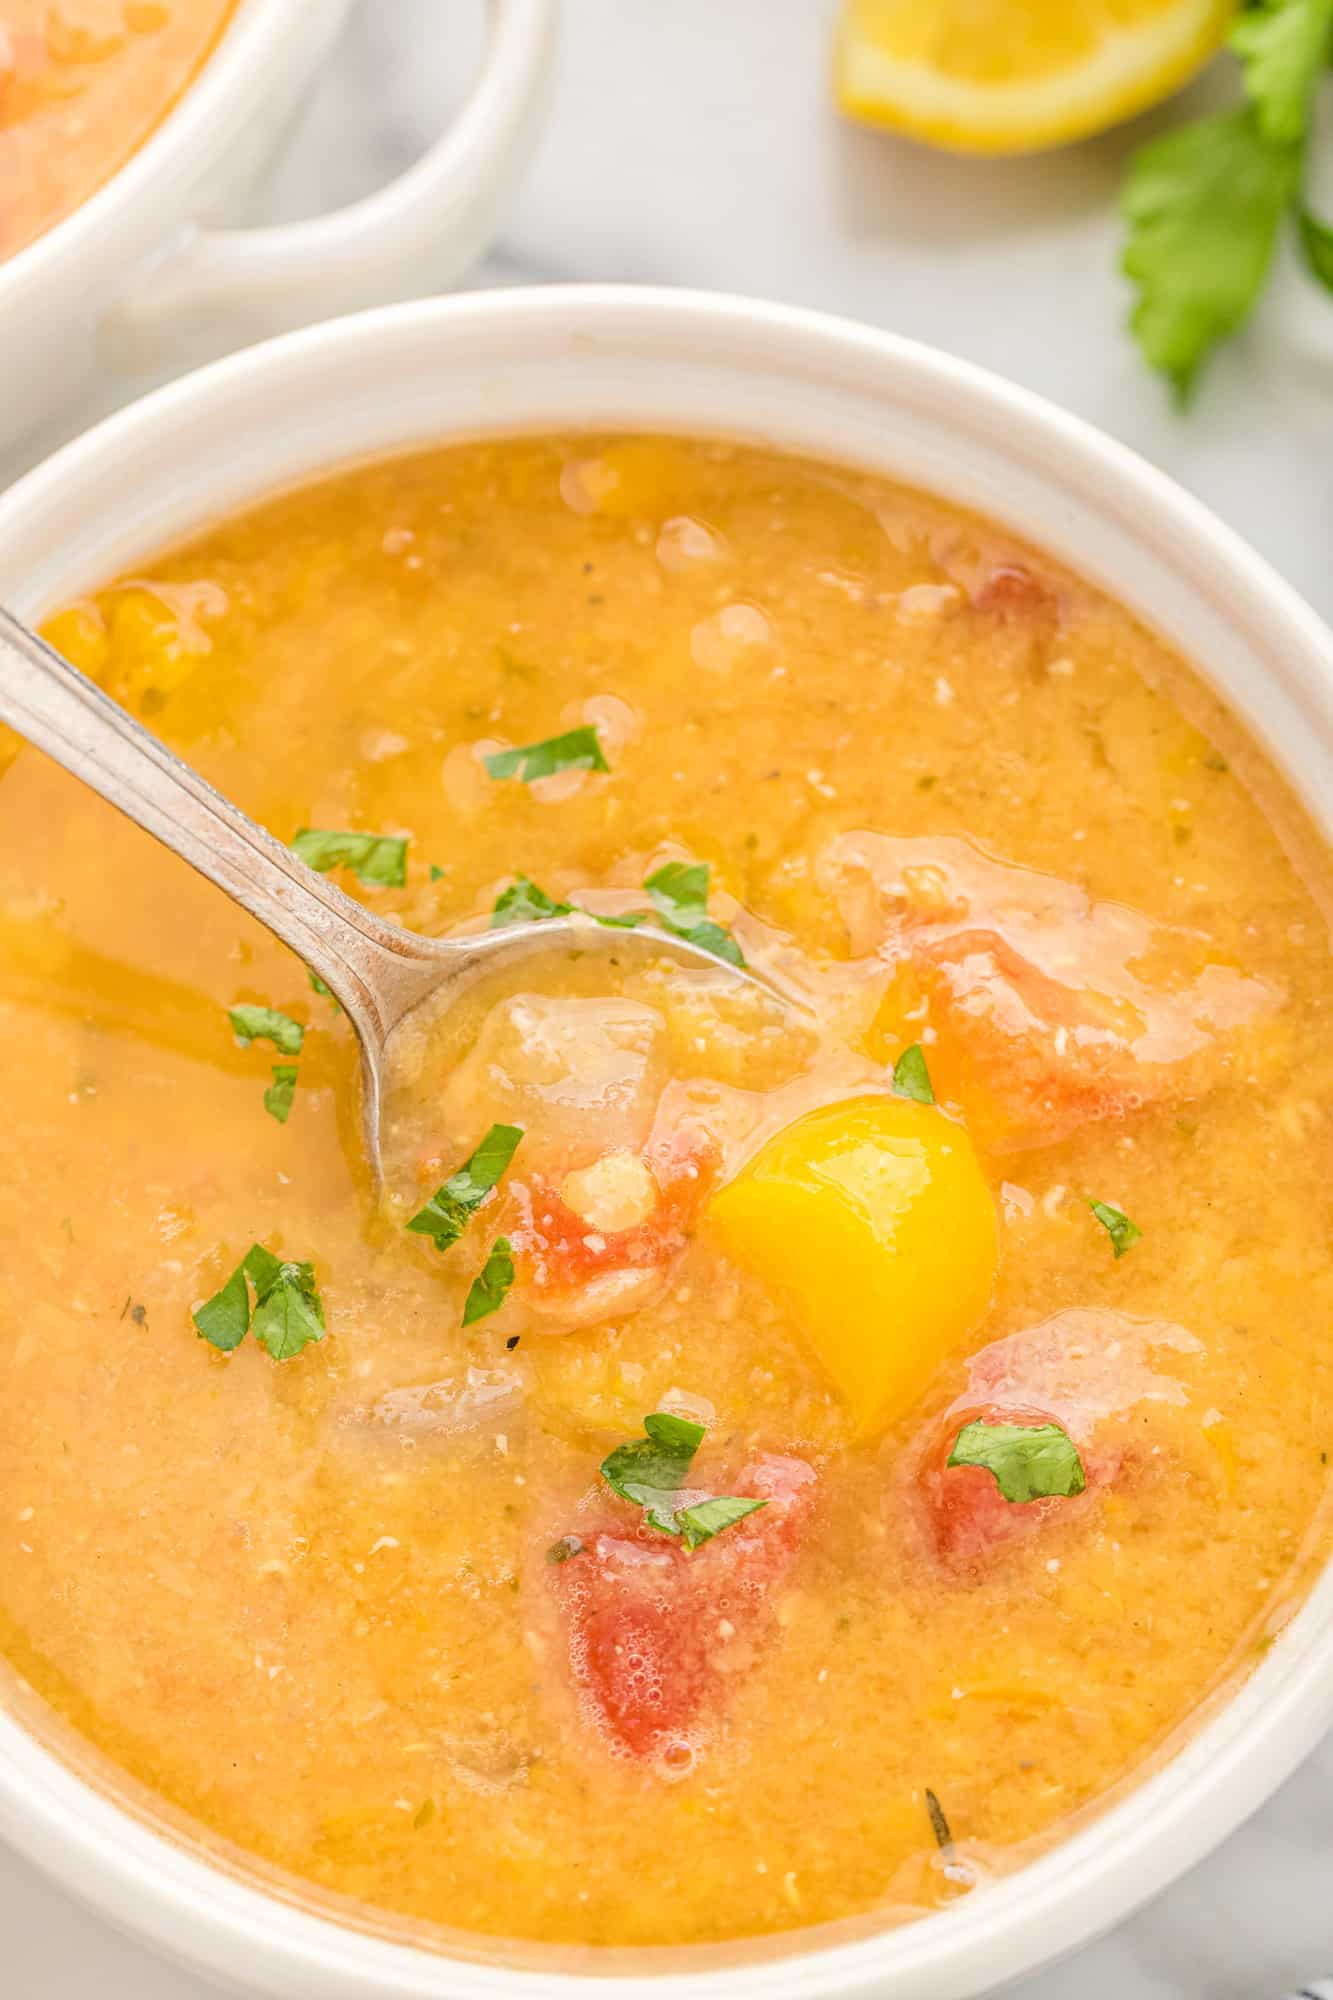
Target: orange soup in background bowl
[(80, 91), (820, 1489), (125, 124)]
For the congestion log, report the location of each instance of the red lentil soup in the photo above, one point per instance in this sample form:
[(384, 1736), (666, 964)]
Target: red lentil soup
[(777, 1449), (82, 84)]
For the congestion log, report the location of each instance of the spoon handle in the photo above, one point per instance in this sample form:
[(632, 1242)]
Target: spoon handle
[(376, 970)]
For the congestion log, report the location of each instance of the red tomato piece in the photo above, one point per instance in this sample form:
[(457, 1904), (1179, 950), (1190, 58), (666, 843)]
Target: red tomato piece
[(1049, 1009), (1023, 612), (560, 1251), (1011, 590), (967, 1517), (648, 1623), (1048, 1056)]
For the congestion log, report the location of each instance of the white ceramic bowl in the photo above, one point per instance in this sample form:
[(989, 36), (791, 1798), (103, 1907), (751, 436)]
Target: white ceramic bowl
[(615, 357), (134, 267)]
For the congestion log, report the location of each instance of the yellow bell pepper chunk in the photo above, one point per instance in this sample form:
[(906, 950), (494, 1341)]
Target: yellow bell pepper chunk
[(874, 1220)]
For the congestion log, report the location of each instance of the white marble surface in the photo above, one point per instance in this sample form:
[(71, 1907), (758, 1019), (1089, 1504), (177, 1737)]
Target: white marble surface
[(692, 143)]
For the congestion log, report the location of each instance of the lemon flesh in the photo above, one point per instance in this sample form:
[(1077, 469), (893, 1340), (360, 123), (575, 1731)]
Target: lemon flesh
[(1013, 76)]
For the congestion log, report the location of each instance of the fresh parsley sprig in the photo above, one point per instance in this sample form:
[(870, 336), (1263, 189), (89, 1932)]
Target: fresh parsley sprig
[(1205, 202)]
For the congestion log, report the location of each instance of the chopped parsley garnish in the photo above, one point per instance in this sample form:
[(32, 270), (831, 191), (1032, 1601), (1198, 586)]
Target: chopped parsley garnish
[(278, 1097), (452, 1206), (1317, 243), (524, 903), (576, 750), (1123, 1233), (679, 893), (911, 1078), (286, 1315), (709, 1517), (317, 986), (490, 1287), (651, 1470), (656, 1462), (1029, 1461), (266, 1024), (379, 860)]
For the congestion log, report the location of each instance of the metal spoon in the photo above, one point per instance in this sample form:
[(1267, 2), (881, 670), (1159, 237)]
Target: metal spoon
[(379, 972)]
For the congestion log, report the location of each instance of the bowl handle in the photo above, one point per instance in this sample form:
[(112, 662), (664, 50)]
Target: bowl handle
[(217, 288)]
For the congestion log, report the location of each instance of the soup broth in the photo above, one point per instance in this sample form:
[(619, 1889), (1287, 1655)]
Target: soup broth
[(775, 1451), (81, 87)]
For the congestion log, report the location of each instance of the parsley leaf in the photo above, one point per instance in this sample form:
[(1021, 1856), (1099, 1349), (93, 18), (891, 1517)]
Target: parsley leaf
[(576, 750), (650, 1472), (379, 860), (317, 986), (1203, 204), (524, 903), (266, 1024), (224, 1320), (261, 1267), (709, 1517), (1282, 45), (1029, 1461), (452, 1206), (278, 1097), (660, 1459), (1317, 243), (490, 1287), (287, 1313), (1123, 1233), (911, 1078), (679, 893)]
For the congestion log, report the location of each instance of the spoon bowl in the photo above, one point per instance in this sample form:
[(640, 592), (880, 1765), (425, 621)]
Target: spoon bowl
[(377, 971)]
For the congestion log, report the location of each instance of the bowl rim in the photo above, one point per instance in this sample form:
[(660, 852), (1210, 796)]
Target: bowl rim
[(218, 99), (1257, 1734)]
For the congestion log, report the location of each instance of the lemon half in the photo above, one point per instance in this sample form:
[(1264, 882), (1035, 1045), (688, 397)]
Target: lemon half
[(1013, 76)]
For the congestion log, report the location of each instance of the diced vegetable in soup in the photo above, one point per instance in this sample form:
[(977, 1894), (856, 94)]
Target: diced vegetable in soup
[(796, 1428), (81, 87)]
